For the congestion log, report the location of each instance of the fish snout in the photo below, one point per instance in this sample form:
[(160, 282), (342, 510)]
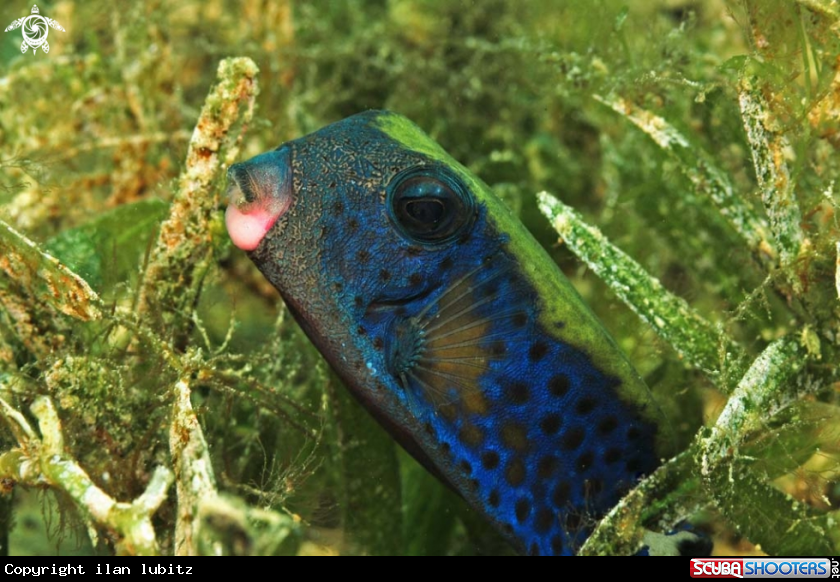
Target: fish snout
[(259, 193)]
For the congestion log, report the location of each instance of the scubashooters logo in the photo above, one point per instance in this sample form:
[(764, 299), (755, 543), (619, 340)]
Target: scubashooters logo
[(765, 568), (35, 29), (715, 568)]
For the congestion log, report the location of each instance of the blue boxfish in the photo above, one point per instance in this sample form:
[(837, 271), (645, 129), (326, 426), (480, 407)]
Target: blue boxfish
[(450, 324)]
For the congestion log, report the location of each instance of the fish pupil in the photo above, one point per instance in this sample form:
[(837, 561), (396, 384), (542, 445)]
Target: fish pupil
[(428, 211)]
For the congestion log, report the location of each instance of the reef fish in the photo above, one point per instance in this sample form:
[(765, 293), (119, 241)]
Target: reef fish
[(450, 324)]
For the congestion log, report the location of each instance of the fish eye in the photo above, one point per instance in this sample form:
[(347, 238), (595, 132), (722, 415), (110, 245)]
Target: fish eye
[(429, 205)]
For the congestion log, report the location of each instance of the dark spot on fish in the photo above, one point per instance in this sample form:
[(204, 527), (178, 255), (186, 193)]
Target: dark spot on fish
[(515, 473), (493, 498), (633, 433), (523, 508), (584, 461), (517, 392), (508, 529), (558, 385), (465, 238), (361, 331), (332, 185), (550, 424), (607, 425), (546, 467), (384, 275), (359, 301), (544, 520), (338, 287), (446, 264), (474, 485), (634, 465), (572, 438), (515, 436), (378, 344), (520, 319), (446, 449), (559, 324), (557, 545), (491, 290), (560, 496), (415, 279), (534, 550), (338, 207), (413, 251), (498, 348), (470, 434), (352, 225), (586, 405), (430, 430), (363, 256), (537, 351), (612, 456), (466, 467), (490, 460)]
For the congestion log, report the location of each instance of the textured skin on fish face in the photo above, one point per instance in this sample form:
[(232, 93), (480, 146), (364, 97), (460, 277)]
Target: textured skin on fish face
[(472, 350)]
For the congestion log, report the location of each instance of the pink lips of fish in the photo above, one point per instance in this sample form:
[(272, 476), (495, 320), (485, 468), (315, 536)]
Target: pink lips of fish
[(259, 193), (248, 228)]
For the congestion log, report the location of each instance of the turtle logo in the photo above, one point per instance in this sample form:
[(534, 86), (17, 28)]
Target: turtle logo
[(34, 31)]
